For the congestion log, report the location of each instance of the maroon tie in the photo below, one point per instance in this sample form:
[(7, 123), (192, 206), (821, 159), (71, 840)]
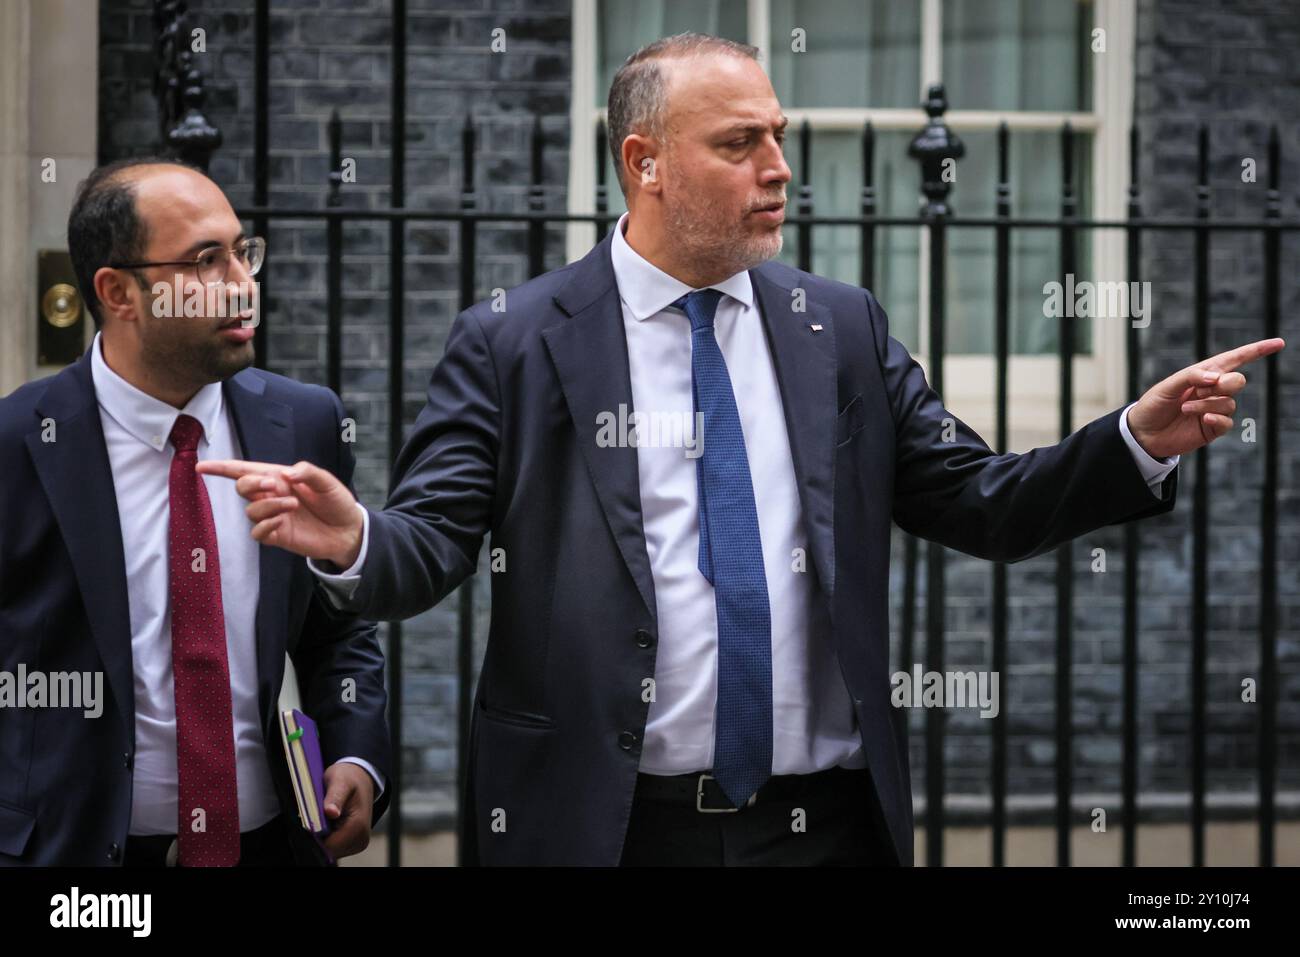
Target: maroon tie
[(205, 737)]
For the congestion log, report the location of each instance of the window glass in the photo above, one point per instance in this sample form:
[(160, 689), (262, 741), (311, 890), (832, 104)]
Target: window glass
[(1018, 54), (624, 26), (1035, 172), (855, 53)]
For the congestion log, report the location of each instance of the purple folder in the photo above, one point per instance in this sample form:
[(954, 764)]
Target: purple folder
[(306, 772)]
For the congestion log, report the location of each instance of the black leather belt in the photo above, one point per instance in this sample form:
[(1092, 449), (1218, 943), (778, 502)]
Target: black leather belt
[(162, 850), (702, 791)]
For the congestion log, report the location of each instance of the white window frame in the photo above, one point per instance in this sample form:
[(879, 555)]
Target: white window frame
[(1033, 381)]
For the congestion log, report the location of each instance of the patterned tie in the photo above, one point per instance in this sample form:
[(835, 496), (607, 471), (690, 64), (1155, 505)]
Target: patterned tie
[(731, 558), (205, 737)]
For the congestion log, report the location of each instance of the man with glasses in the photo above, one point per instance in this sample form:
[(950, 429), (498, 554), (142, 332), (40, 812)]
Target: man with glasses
[(118, 559)]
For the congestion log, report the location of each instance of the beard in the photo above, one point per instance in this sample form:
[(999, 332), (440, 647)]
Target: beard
[(713, 235), (198, 361), (193, 358)]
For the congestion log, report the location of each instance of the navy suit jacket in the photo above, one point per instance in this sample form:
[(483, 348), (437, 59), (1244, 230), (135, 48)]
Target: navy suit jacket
[(506, 447), (66, 780)]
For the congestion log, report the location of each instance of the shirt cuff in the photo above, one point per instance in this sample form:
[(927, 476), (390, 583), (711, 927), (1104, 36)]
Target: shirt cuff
[(339, 587), (369, 769), (1153, 470)]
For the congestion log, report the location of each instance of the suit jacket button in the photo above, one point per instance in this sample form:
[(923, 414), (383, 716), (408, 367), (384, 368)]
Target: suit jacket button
[(114, 853), (643, 638), (126, 760), (627, 740)]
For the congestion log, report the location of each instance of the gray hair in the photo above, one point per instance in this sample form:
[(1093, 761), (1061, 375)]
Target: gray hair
[(638, 97)]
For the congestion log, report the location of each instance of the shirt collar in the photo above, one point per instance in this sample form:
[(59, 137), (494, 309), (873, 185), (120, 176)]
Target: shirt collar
[(648, 290), (148, 419)]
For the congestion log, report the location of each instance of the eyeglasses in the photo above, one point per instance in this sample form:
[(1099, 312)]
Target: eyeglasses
[(212, 263)]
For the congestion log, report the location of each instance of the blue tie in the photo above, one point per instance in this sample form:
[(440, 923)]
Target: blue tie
[(731, 558)]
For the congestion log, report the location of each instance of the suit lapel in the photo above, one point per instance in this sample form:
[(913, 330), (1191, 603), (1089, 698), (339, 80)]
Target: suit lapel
[(266, 434), (805, 361), (806, 375), (75, 472), (78, 480), (589, 352)]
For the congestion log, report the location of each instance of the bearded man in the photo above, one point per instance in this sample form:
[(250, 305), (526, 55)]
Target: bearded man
[(118, 560), (688, 655)]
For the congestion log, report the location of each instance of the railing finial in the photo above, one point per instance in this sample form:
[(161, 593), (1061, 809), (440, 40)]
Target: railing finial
[(937, 148), (183, 129)]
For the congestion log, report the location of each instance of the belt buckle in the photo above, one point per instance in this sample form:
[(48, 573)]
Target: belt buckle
[(699, 799)]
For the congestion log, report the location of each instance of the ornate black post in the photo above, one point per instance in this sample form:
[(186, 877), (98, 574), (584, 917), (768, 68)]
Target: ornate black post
[(933, 146), (938, 150), (184, 131)]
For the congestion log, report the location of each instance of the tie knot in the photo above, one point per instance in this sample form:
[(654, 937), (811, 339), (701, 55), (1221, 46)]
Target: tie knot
[(186, 433), (700, 305)]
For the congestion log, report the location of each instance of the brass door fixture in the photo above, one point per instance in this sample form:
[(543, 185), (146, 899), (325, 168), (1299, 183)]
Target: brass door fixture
[(61, 323)]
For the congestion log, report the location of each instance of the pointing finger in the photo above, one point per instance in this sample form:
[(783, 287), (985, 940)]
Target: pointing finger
[(1240, 356), (236, 468)]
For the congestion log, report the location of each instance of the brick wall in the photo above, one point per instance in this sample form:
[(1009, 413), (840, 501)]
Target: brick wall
[(1231, 66)]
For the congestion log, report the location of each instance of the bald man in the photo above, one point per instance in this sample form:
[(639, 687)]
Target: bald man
[(122, 567), (688, 458)]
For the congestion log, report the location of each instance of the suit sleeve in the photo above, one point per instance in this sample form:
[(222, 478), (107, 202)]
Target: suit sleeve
[(427, 539), (951, 488), (341, 669)]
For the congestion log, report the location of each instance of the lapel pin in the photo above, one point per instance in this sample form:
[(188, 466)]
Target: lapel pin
[(815, 326)]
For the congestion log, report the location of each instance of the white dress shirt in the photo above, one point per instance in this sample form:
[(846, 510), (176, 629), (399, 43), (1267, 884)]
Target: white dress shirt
[(813, 722), (137, 430)]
